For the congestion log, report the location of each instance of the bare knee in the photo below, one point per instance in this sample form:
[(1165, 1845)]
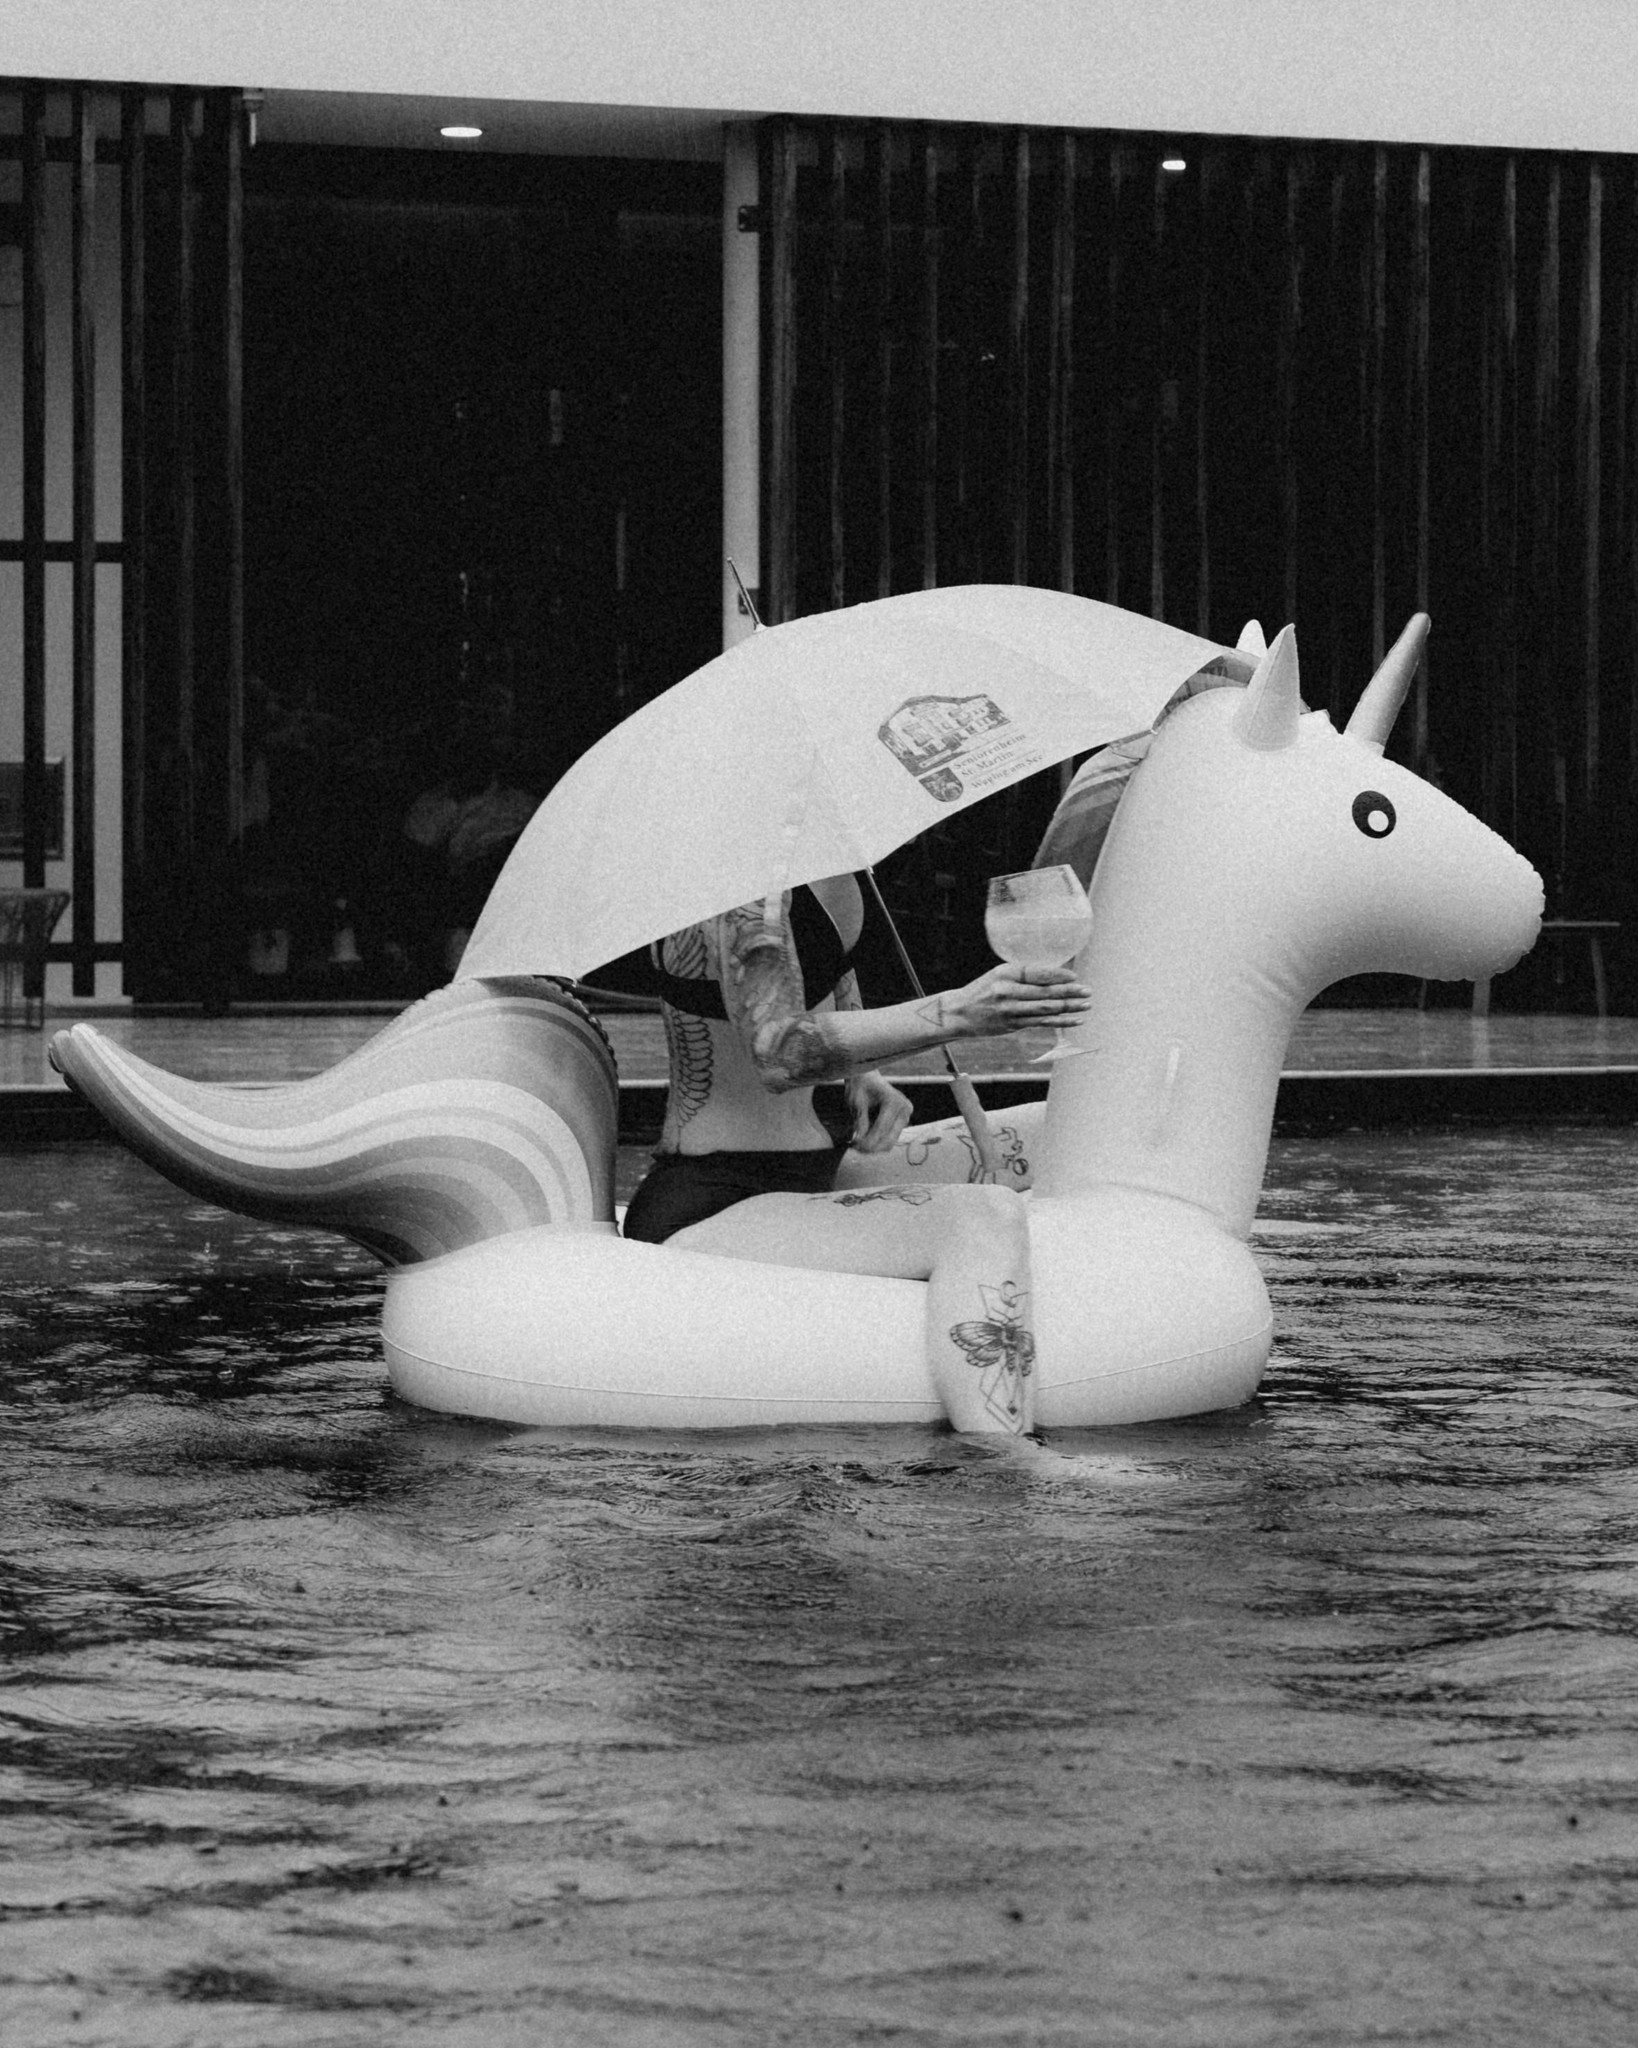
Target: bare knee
[(984, 1215)]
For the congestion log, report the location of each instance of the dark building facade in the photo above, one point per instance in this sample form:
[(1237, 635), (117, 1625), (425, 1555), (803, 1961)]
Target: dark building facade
[(1212, 380), (420, 488)]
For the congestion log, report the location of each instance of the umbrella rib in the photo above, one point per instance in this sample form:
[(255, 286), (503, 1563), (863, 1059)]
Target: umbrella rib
[(819, 772)]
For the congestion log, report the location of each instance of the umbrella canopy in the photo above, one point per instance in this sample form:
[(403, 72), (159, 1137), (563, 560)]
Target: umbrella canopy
[(816, 748)]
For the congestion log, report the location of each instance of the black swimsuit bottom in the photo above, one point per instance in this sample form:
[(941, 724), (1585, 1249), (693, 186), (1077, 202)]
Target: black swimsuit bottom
[(686, 1187)]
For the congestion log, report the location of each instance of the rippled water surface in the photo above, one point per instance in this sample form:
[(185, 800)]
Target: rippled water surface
[(328, 1721)]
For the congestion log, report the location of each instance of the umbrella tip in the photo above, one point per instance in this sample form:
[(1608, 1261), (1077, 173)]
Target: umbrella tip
[(747, 602)]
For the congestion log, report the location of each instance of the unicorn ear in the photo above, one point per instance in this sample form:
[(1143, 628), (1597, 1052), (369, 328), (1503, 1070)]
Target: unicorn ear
[(1251, 639), (1267, 719)]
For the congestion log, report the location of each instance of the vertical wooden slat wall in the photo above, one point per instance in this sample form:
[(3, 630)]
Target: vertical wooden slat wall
[(180, 546), (1417, 431), (1159, 397), (1334, 382), (1589, 478), (969, 481), (1205, 285), (83, 600), (134, 510), (183, 500), (836, 332), (928, 409), (180, 470), (34, 529), (1543, 630), (1376, 327), (60, 125), (1626, 557), (1060, 461), (1498, 500), (1018, 492), (1624, 564), (216, 488), (1286, 411), (227, 462), (1110, 409), (881, 312), (779, 183)]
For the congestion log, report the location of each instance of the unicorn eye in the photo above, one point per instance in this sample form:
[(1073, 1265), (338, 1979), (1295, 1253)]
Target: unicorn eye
[(1374, 814)]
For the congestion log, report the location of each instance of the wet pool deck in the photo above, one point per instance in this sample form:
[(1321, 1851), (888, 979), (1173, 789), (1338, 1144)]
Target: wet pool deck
[(1345, 1067)]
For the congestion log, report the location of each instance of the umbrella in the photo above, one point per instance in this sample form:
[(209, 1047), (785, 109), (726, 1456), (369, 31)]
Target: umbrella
[(816, 748)]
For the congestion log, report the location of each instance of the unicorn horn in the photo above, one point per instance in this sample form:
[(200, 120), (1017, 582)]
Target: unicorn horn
[(1379, 704)]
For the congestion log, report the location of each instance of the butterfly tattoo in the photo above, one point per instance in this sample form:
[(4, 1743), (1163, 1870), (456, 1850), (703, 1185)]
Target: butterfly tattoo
[(1000, 1349)]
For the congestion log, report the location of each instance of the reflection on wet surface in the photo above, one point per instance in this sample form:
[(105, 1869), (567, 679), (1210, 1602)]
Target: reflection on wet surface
[(326, 1721), (290, 1046)]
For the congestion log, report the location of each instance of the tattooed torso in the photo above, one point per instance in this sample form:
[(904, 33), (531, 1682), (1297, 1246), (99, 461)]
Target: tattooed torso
[(747, 1084)]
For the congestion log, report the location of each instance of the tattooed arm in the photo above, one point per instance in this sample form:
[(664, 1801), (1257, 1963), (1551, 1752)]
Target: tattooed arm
[(794, 1047), (880, 1111), (687, 1037)]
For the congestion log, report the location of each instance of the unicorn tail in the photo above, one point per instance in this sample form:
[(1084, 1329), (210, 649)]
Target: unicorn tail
[(488, 1107)]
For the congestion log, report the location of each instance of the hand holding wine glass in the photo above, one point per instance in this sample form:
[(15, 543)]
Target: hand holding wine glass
[(1040, 918)]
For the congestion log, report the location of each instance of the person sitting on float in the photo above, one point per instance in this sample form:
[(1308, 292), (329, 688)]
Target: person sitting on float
[(760, 1005)]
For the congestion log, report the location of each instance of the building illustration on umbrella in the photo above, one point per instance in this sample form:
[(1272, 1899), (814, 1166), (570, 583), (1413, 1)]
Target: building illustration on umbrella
[(927, 734)]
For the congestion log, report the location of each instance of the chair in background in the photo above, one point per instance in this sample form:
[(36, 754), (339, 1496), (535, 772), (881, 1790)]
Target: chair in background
[(1593, 929), (28, 917)]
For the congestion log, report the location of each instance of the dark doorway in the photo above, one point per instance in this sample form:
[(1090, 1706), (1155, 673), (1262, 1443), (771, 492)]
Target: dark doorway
[(482, 462)]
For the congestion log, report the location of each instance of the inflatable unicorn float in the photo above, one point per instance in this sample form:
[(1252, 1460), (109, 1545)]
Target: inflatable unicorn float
[(1256, 856)]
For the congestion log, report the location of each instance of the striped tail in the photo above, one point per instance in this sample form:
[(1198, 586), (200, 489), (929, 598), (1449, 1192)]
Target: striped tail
[(488, 1107)]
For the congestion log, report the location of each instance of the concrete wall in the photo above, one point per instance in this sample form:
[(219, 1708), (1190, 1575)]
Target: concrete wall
[(1515, 73)]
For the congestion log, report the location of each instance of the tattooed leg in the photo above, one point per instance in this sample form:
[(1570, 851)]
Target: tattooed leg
[(944, 1153), (971, 1246), (979, 1342)]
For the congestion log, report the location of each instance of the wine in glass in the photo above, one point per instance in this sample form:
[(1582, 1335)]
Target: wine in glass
[(1039, 918)]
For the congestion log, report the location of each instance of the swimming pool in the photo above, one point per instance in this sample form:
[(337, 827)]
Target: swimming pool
[(329, 1721)]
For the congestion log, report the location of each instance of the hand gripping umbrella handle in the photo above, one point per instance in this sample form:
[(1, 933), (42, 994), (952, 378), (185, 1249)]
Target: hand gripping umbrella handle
[(966, 1095), (972, 1110)]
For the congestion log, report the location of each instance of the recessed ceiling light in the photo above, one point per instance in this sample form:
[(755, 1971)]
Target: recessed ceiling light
[(461, 134), (1167, 163)]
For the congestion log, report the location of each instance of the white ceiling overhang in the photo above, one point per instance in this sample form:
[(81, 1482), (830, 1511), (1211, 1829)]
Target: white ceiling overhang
[(657, 74), (523, 127)]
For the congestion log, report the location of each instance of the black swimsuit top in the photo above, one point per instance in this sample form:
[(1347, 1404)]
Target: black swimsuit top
[(818, 947)]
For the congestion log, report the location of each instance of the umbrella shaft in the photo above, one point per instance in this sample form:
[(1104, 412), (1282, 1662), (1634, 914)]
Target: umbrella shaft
[(887, 918), (965, 1094)]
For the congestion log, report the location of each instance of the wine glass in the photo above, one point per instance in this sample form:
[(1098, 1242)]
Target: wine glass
[(1040, 918)]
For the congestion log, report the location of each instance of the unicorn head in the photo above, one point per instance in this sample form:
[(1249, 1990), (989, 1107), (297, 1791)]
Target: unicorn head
[(1257, 856), (1345, 862)]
